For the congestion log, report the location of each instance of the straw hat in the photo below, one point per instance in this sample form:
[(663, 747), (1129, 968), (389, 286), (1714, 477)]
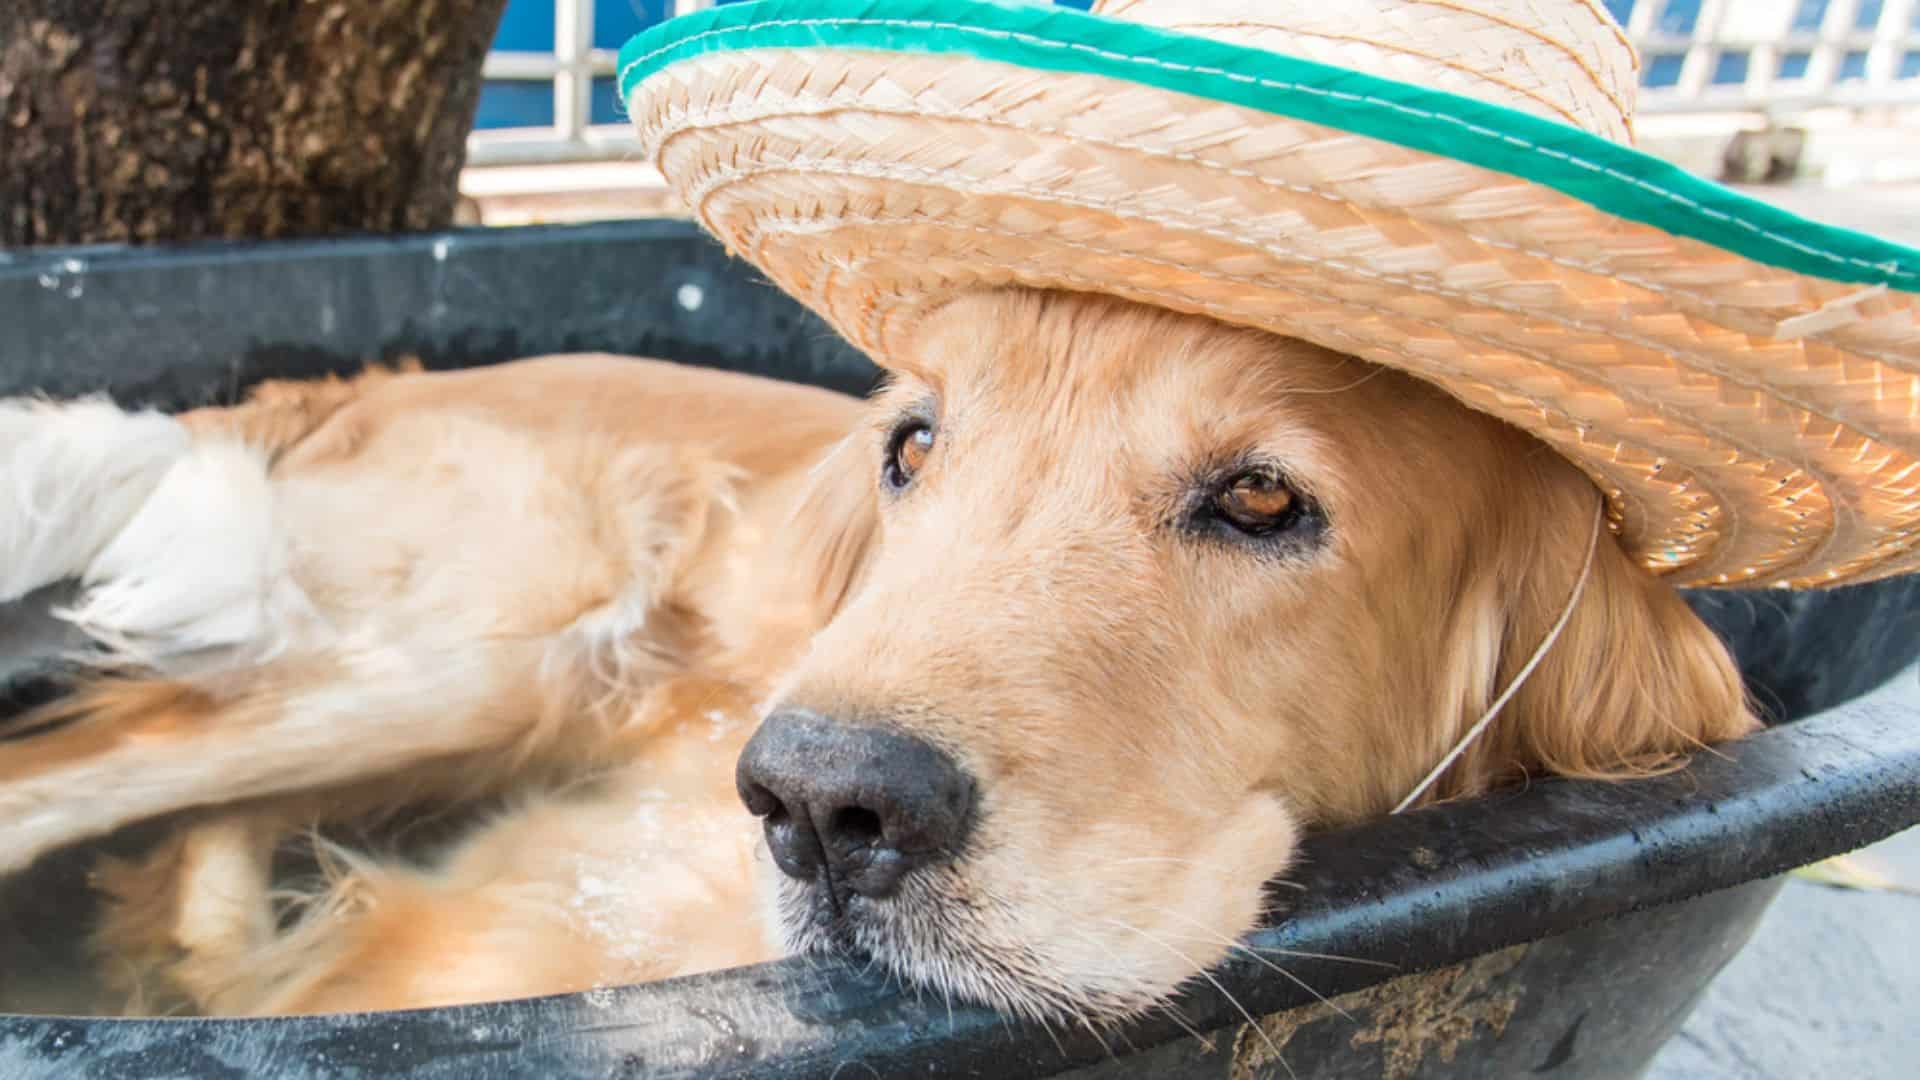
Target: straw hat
[(1442, 186)]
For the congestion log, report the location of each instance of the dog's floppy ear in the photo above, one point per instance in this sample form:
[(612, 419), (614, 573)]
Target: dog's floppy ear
[(806, 574), (1634, 682), (835, 523)]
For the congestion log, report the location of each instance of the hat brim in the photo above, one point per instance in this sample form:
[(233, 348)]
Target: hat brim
[(1739, 380)]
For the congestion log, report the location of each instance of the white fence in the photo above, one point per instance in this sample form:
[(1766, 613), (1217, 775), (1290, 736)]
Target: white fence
[(1771, 57)]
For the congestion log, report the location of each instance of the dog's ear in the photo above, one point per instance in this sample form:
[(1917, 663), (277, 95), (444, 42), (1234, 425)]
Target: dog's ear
[(1634, 682), (807, 573), (834, 525)]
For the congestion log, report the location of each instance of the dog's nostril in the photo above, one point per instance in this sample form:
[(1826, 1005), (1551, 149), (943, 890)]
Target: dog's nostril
[(863, 806), (856, 826), (763, 803)]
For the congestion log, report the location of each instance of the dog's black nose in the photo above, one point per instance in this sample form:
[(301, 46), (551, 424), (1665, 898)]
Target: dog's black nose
[(860, 805)]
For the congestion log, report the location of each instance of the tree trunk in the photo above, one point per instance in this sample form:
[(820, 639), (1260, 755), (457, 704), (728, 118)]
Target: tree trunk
[(169, 120)]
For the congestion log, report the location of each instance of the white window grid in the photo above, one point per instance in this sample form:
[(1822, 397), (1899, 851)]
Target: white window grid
[(571, 67), (1763, 30), (1760, 28)]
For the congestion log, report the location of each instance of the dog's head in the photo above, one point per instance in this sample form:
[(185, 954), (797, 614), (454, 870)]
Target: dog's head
[(1147, 596)]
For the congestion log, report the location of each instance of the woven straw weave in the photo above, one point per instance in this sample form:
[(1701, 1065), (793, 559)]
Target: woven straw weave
[(1749, 425), (1565, 62)]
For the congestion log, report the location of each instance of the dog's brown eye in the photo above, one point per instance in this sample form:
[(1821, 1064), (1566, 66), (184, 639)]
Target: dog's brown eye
[(911, 444), (1257, 503)]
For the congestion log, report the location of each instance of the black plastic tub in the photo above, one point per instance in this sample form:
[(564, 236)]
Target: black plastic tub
[(1563, 930)]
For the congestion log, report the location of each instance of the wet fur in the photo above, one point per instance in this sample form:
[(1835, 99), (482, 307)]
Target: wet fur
[(573, 584)]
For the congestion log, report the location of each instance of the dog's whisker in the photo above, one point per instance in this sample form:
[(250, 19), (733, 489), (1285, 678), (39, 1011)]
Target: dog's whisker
[(1241, 948), (1201, 971), (1167, 1009), (1046, 1025), (1080, 1016), (1172, 860), (1332, 957)]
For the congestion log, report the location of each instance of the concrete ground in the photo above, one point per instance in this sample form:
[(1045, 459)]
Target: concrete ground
[(1827, 989), (1829, 986)]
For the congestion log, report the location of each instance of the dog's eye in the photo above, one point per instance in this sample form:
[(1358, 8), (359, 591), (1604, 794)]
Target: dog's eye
[(1257, 502), (907, 452)]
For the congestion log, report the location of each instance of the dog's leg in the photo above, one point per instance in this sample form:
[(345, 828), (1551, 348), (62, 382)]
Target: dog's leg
[(179, 918), (119, 751), (385, 935), (644, 875), (199, 572), (563, 894)]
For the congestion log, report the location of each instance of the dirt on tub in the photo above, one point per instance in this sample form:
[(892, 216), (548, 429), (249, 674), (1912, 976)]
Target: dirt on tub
[(1411, 1018)]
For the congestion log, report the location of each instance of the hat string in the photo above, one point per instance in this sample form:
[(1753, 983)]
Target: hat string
[(1539, 654)]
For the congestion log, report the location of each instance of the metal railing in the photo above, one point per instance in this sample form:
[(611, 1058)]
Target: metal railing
[(1770, 57)]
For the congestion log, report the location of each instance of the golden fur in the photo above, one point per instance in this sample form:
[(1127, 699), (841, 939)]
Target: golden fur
[(575, 582)]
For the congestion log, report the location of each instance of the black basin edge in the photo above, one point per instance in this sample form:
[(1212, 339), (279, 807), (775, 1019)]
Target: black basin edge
[(1425, 890)]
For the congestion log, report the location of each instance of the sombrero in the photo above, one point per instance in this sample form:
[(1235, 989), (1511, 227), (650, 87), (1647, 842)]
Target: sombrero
[(1447, 187)]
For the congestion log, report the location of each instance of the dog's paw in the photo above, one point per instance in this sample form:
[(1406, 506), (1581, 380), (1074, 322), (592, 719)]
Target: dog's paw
[(72, 475), (199, 569)]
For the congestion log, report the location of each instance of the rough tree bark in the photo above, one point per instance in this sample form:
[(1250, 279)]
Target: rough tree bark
[(168, 120)]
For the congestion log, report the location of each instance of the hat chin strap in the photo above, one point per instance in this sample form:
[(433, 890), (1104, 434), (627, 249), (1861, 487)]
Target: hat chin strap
[(1539, 654)]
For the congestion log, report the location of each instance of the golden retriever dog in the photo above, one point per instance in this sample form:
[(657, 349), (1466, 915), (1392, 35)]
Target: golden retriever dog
[(1054, 648)]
